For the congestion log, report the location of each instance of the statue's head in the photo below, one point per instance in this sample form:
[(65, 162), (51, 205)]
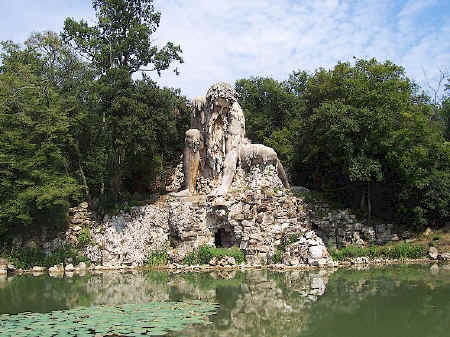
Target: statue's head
[(221, 95)]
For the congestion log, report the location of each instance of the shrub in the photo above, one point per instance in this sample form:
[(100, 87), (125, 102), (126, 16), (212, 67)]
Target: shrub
[(401, 251), (26, 258), (276, 258), (84, 238), (157, 258), (204, 254)]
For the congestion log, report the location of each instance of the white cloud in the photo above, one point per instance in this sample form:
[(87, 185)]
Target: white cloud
[(232, 39), (228, 40)]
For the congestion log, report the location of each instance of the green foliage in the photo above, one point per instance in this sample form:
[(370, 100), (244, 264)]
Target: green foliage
[(272, 114), (400, 251), (34, 144), (154, 318), (204, 254), (84, 237), (368, 138), (157, 258), (277, 256), (27, 258), (122, 37)]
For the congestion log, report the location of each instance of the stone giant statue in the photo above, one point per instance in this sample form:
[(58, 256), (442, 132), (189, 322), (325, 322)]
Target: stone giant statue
[(216, 143)]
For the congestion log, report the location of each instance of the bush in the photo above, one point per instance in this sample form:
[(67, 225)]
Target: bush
[(84, 238), (157, 258), (204, 254), (401, 251), (27, 258), (277, 256)]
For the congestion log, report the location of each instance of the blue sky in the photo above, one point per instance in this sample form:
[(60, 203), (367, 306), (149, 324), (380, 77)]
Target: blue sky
[(232, 39)]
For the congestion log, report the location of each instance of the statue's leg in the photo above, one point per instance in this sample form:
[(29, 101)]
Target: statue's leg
[(191, 162), (282, 174), (228, 173)]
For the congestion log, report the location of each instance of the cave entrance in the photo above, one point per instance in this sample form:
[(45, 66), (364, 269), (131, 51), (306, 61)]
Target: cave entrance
[(223, 238)]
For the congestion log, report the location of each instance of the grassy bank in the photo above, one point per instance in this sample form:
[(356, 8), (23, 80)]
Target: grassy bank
[(27, 258), (400, 251)]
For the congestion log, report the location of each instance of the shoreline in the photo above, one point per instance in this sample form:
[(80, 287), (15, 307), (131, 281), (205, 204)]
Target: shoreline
[(175, 268)]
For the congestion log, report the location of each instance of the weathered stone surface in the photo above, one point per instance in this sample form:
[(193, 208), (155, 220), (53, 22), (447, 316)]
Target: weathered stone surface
[(57, 268), (340, 228), (39, 269), (216, 145), (433, 253), (69, 268)]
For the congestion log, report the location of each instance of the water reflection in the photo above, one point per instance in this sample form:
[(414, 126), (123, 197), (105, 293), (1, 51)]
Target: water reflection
[(372, 302)]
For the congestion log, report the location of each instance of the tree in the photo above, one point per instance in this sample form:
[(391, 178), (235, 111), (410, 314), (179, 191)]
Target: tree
[(34, 144), (272, 113), (365, 126), (122, 37), (117, 46)]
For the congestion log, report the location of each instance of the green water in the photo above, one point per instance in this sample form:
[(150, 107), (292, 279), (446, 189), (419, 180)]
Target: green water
[(390, 301)]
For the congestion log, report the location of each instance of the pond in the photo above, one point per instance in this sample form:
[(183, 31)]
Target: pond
[(378, 301)]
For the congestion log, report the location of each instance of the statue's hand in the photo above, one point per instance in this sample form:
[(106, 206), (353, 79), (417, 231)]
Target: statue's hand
[(183, 193), (219, 191)]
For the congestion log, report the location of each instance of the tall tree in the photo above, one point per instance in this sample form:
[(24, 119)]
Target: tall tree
[(118, 45), (35, 179)]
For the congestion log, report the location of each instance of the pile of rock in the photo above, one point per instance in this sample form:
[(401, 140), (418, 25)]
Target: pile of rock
[(340, 228), (308, 250), (226, 261)]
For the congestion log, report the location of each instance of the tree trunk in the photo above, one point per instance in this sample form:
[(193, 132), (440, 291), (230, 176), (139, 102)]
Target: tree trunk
[(85, 185), (369, 204)]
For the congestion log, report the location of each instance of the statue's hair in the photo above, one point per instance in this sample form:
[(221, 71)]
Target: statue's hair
[(221, 90)]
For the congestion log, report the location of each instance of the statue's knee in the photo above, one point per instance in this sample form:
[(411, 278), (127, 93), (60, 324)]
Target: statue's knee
[(192, 139)]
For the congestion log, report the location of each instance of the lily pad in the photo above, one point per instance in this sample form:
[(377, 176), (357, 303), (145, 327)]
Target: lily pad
[(150, 319)]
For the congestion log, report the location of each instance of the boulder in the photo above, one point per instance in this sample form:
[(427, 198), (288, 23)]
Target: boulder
[(39, 269), (69, 268), (57, 268), (81, 266), (433, 253)]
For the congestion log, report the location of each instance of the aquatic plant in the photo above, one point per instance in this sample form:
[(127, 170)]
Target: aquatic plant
[(150, 319)]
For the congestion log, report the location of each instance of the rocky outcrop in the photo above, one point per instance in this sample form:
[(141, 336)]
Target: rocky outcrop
[(340, 228), (256, 215)]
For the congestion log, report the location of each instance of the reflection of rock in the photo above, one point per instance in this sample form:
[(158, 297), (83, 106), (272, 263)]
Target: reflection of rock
[(268, 304), (113, 288)]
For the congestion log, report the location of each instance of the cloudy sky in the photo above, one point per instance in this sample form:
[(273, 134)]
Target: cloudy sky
[(231, 39)]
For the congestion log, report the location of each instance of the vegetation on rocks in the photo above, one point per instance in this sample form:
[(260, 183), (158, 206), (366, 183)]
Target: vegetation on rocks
[(400, 251), (158, 258), (27, 258), (204, 254)]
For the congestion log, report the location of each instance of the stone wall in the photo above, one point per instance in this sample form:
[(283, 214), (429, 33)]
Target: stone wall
[(340, 228)]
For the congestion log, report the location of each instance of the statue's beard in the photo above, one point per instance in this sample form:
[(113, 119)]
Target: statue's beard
[(217, 131)]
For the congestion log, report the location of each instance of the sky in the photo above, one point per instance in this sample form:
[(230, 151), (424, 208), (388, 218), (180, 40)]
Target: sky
[(232, 39)]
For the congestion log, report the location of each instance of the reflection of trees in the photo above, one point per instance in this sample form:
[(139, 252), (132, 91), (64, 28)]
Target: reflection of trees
[(42, 294), (389, 301)]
